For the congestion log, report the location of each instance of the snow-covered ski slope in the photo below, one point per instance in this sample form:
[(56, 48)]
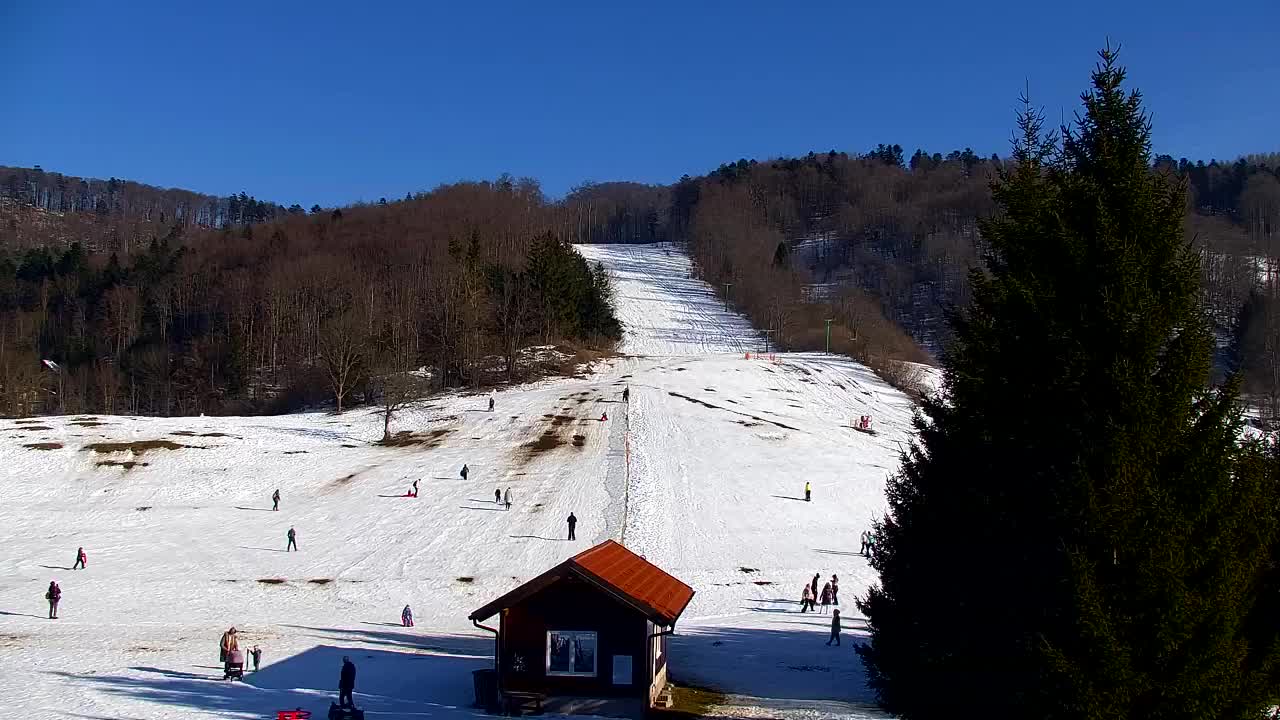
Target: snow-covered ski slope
[(702, 472)]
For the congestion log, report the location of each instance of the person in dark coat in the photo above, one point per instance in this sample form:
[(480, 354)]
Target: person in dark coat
[(813, 586), (80, 559), (573, 522), (256, 654), (293, 540), (464, 471), (835, 628), (835, 589), (490, 403), (346, 682), (53, 595), (497, 496), (275, 499), (626, 394)]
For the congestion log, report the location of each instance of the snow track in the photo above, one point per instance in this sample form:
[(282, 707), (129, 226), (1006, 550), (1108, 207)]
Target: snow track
[(702, 472)]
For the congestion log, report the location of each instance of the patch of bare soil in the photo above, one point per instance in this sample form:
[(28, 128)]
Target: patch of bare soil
[(548, 440), (320, 581), (33, 427), (88, 423), (408, 438), (126, 464), (44, 446), (295, 452), (138, 447), (143, 508), (466, 579), (579, 440), (27, 421), (271, 581)]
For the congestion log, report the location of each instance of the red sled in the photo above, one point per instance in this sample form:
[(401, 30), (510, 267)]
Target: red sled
[(298, 714)]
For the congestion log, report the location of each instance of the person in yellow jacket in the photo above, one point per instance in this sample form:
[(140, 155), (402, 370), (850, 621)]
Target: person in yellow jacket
[(807, 491)]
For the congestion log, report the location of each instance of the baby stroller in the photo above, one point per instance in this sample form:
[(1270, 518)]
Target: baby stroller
[(234, 667)]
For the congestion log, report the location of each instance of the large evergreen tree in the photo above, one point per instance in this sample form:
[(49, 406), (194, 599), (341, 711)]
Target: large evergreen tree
[(1078, 532)]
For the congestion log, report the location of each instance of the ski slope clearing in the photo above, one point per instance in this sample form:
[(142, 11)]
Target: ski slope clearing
[(703, 472)]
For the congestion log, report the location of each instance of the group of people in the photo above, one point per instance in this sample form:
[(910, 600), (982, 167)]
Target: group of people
[(54, 594), (232, 657), (811, 597), (502, 498), (868, 538)]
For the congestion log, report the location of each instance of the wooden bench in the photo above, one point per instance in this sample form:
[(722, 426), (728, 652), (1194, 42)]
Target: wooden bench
[(517, 703)]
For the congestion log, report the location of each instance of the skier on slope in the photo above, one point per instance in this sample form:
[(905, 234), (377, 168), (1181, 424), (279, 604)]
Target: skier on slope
[(506, 498), (464, 471), (80, 559), (275, 499), (573, 523), (53, 595), (406, 617), (293, 540)]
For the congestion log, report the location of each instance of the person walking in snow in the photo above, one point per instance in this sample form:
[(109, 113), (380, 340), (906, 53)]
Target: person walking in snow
[(497, 496), (835, 628), (813, 585), (228, 643), (346, 682), (275, 499), (406, 617), (80, 559), (490, 402), (806, 599), (871, 543), (866, 542), (293, 540), (464, 471), (53, 595), (506, 499), (835, 590), (807, 490), (826, 597), (573, 522), (626, 394), (256, 654)]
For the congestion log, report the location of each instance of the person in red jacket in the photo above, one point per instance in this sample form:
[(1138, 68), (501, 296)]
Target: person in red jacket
[(80, 559)]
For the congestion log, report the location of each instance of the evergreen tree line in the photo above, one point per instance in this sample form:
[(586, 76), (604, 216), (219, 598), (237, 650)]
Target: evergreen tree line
[(455, 285), (1081, 530)]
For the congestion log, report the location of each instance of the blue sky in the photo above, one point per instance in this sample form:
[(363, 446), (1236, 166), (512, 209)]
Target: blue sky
[(330, 103)]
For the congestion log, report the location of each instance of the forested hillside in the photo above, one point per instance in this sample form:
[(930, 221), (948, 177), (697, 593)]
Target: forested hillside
[(448, 288)]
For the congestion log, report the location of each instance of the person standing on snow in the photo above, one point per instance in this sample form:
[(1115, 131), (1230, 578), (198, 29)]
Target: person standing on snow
[(346, 682), (415, 488), (275, 499), (497, 496), (406, 617), (490, 402), (826, 597), (604, 416), (256, 654), (806, 598), (866, 542), (835, 590), (293, 540), (573, 522), (228, 643), (53, 595), (807, 490), (464, 471), (626, 394), (506, 499), (813, 585), (835, 628), (80, 559)]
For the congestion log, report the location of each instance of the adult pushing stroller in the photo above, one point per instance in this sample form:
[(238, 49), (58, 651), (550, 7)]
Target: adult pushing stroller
[(233, 669)]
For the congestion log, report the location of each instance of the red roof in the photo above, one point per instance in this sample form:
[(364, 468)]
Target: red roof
[(612, 567)]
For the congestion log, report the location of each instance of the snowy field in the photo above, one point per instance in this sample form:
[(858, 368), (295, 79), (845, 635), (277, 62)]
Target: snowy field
[(703, 473)]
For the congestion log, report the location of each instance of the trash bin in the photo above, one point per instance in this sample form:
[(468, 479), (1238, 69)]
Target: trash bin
[(486, 686)]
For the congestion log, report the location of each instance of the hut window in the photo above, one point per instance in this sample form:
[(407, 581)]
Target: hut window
[(571, 652)]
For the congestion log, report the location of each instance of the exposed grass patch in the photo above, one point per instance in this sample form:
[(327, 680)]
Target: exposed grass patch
[(547, 441), (143, 508), (295, 452), (44, 446), (126, 464), (88, 423), (137, 447), (34, 427), (320, 581), (761, 582), (271, 581), (185, 433), (28, 421), (579, 440), (408, 438), (466, 579), (748, 570), (559, 420), (689, 702)]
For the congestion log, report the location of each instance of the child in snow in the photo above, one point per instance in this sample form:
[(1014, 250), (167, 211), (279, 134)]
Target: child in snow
[(806, 598), (53, 595), (406, 617), (835, 628), (256, 654), (807, 490), (506, 498), (275, 499), (464, 471), (293, 540), (826, 597), (604, 416), (80, 559)]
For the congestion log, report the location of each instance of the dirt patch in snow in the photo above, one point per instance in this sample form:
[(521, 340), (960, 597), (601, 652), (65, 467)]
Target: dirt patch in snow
[(44, 446), (408, 438), (579, 440), (126, 464), (33, 427), (466, 579), (320, 581), (549, 440), (137, 447), (271, 581)]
